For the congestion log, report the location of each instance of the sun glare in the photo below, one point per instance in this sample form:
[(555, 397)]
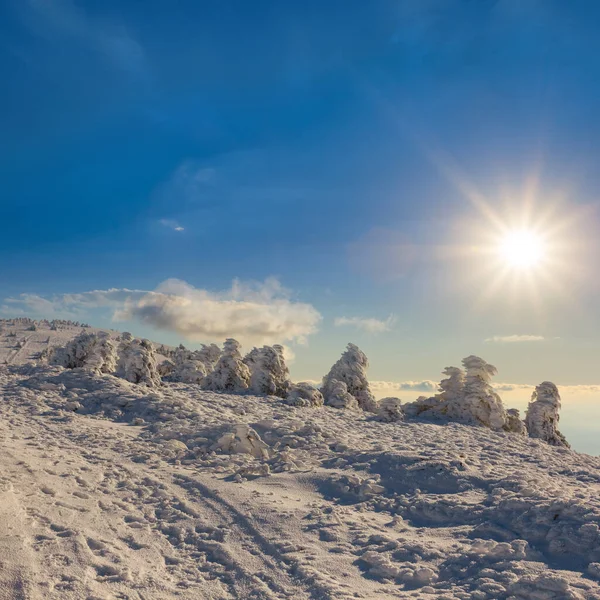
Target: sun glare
[(522, 249)]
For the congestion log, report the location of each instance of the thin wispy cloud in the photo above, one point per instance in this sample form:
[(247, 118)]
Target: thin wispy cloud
[(514, 339), (171, 224), (370, 325), (64, 20)]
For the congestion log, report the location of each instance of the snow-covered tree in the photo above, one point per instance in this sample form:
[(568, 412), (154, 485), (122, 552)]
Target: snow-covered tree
[(137, 363), (209, 355), (480, 402), (165, 368), (230, 373), (514, 423), (542, 415), (304, 394), (187, 368), (452, 388), (469, 399), (103, 358), (390, 410), (96, 352), (268, 371), (350, 370)]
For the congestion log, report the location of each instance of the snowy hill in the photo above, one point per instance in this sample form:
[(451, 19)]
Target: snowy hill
[(112, 490)]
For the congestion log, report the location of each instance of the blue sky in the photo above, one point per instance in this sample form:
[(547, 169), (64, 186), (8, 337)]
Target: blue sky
[(339, 159)]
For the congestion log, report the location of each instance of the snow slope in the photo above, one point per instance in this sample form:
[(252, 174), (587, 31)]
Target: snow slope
[(110, 490)]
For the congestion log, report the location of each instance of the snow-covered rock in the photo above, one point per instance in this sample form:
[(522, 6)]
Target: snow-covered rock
[(243, 440)]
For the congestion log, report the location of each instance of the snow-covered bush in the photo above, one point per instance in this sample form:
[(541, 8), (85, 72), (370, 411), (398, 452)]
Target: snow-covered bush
[(209, 355), (469, 399), (514, 424), (350, 370), (390, 410), (165, 368), (230, 373), (186, 366), (137, 363), (452, 388), (304, 394), (338, 395), (103, 358), (268, 372), (542, 415), (481, 403), (96, 352)]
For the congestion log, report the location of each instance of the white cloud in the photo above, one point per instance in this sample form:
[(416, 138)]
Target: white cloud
[(511, 339), (366, 324), (171, 224), (260, 313), (381, 389), (256, 313)]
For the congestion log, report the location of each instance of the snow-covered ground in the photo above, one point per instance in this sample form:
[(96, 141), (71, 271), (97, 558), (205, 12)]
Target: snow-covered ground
[(112, 490)]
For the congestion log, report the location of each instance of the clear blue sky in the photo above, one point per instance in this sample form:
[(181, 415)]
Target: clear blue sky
[(335, 146)]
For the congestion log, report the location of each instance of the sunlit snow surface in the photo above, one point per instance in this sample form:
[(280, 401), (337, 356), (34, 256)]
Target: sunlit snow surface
[(111, 490)]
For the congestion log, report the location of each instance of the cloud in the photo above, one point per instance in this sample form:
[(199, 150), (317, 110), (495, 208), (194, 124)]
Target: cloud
[(511, 339), (370, 325), (253, 313), (63, 19), (260, 313), (385, 388), (171, 224)]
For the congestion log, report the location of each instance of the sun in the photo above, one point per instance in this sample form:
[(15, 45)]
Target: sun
[(522, 249)]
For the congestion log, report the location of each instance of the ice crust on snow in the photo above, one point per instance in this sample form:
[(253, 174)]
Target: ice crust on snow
[(125, 490)]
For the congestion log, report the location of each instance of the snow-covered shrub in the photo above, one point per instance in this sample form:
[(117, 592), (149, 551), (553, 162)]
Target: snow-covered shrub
[(390, 410), (187, 368), (96, 352), (350, 370), (103, 358), (137, 363), (230, 373), (188, 371), (268, 372), (209, 355), (469, 399), (514, 423), (165, 368), (338, 395), (542, 415), (481, 403), (304, 394), (425, 407), (452, 388)]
